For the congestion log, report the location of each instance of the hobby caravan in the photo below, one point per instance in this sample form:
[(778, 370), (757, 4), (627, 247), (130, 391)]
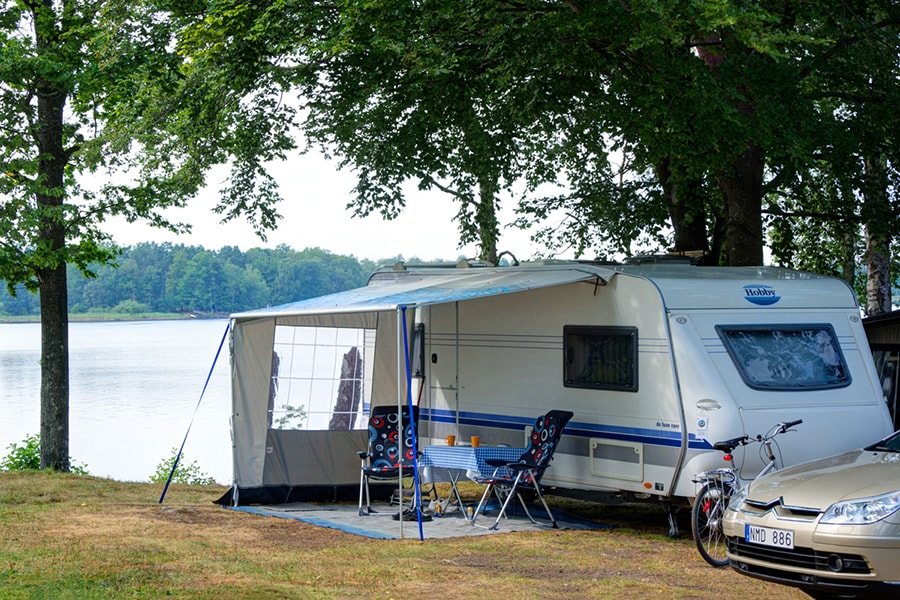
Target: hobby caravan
[(657, 361)]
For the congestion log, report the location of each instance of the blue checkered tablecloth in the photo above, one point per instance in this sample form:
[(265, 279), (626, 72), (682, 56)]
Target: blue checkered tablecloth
[(440, 460)]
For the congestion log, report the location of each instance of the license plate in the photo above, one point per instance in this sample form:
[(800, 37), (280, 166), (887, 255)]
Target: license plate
[(767, 536)]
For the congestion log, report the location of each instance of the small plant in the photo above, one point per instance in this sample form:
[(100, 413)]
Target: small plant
[(185, 473), (292, 418), (28, 457), (25, 457)]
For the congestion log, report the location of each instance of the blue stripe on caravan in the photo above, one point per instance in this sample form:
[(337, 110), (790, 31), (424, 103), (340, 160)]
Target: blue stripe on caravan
[(573, 429), (477, 419)]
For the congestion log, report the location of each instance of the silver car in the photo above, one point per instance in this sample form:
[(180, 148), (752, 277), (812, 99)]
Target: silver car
[(830, 527)]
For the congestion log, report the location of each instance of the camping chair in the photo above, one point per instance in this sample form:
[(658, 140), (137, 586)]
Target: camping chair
[(509, 479), (382, 461)]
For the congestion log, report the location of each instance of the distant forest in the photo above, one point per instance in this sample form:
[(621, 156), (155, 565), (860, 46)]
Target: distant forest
[(167, 278)]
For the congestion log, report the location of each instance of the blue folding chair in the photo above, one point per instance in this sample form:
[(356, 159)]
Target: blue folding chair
[(510, 479), (382, 461)]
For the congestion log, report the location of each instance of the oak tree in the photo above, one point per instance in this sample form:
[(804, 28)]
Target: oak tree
[(95, 102)]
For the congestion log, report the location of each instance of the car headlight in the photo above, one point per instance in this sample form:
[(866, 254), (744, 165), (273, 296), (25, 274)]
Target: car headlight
[(734, 502), (862, 511)]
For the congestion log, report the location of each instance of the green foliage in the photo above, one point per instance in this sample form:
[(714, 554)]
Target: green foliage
[(27, 457), (293, 418), (153, 278), (130, 307), (186, 472), (652, 116), (52, 58), (89, 90)]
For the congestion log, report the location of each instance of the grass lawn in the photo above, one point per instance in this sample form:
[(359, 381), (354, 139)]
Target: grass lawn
[(67, 536)]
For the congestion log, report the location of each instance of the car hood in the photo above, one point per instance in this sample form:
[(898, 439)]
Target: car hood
[(820, 483)]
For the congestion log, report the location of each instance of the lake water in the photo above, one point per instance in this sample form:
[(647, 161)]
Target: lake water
[(134, 389)]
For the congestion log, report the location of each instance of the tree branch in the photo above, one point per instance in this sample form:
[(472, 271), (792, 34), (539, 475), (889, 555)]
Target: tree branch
[(459, 195), (777, 211)]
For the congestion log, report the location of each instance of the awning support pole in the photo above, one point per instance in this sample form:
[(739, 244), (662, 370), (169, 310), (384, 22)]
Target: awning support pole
[(196, 408), (415, 449)]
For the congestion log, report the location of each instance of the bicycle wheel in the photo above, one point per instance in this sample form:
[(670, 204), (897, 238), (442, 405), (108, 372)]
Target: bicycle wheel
[(706, 521)]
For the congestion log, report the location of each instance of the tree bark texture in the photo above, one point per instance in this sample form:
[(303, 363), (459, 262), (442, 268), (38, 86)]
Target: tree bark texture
[(877, 217), (686, 211), (742, 194), (848, 265), (742, 186), (54, 370), (878, 275), (349, 392), (486, 221), (51, 272)]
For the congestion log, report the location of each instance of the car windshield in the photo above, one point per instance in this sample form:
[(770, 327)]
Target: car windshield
[(889, 444)]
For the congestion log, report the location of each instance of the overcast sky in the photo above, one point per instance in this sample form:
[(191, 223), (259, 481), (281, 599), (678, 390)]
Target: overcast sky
[(315, 195)]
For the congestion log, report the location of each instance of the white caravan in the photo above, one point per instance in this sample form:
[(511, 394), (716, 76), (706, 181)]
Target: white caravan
[(657, 361)]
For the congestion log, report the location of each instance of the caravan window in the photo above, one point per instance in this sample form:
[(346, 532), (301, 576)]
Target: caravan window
[(600, 358), (792, 357), (321, 377)]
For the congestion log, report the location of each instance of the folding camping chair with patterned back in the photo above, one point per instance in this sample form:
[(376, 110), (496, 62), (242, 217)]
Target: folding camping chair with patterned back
[(382, 460), (510, 479)]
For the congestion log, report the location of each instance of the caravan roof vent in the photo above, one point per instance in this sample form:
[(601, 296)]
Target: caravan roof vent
[(466, 263), (667, 259)]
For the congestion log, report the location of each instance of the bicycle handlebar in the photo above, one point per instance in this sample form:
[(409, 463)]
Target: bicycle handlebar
[(728, 446)]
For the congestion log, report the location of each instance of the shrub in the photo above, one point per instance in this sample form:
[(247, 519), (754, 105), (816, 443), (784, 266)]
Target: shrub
[(188, 473), (23, 458), (28, 457), (130, 307)]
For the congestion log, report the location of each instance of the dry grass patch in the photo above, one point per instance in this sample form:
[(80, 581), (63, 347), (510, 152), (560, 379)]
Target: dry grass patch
[(63, 536)]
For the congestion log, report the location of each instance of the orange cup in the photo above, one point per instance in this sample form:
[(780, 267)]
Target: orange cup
[(451, 440), (476, 441)]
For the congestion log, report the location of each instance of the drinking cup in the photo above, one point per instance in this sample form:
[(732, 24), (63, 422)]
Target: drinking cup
[(476, 441), (451, 440)]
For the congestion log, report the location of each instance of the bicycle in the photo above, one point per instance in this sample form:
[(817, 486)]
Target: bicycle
[(717, 488)]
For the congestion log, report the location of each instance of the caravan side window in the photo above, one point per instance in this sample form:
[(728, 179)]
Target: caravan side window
[(600, 358), (786, 357), (321, 378)]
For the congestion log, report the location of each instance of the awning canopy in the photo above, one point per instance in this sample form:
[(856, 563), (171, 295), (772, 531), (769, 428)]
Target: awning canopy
[(265, 464), (391, 290)]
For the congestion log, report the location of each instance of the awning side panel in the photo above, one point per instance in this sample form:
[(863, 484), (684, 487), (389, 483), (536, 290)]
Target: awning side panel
[(251, 370), (314, 458)]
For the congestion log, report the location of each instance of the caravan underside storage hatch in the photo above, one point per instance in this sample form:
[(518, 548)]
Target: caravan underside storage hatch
[(615, 459)]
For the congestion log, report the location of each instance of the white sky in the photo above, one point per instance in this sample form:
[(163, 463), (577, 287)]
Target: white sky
[(314, 216)]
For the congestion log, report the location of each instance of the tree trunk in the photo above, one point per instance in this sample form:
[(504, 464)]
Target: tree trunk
[(349, 392), (686, 211), (54, 370), (51, 273), (876, 210), (742, 186), (878, 274), (848, 264), (486, 221), (742, 195)]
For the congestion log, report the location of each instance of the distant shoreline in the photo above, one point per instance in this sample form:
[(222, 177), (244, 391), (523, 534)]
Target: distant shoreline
[(104, 317)]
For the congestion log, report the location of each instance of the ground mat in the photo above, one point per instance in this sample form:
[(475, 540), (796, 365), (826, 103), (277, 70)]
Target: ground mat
[(382, 523)]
